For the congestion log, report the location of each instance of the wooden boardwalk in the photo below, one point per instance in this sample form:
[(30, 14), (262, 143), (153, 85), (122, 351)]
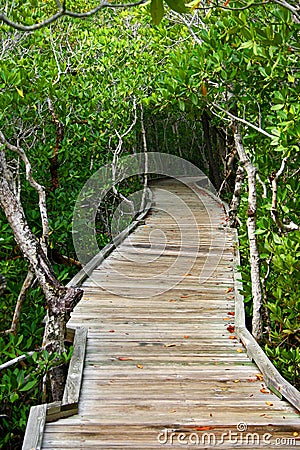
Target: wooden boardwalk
[(163, 367)]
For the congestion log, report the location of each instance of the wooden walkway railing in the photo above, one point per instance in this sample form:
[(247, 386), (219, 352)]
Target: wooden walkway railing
[(164, 365)]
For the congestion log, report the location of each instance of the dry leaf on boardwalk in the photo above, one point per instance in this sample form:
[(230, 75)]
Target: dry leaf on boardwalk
[(264, 391)]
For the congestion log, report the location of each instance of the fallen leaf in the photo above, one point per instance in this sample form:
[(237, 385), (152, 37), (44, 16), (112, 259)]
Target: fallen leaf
[(269, 403), (170, 345), (264, 391), (251, 395), (184, 296), (259, 376), (172, 300), (230, 328), (231, 297), (226, 318), (111, 331), (251, 380), (229, 290), (232, 337), (202, 428), (236, 381), (231, 313), (186, 336), (121, 358), (239, 350), (139, 366), (295, 434)]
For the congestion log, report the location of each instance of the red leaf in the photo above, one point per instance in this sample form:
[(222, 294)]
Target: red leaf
[(121, 358), (230, 328)]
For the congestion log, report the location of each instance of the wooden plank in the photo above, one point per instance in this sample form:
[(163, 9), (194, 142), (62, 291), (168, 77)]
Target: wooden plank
[(166, 358), (35, 428), (74, 378), (100, 257)]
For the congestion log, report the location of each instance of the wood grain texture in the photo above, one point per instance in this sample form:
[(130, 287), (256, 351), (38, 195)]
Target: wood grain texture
[(74, 378), (35, 428), (163, 350)]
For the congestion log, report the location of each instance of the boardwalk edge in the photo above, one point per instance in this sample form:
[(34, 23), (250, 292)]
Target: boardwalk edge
[(272, 378)]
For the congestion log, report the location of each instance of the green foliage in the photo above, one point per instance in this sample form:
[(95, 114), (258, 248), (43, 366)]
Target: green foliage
[(93, 70), (20, 388)]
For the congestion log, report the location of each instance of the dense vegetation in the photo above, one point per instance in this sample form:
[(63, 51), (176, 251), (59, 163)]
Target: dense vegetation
[(76, 92)]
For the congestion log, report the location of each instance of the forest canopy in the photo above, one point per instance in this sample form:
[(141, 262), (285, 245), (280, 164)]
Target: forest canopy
[(82, 83)]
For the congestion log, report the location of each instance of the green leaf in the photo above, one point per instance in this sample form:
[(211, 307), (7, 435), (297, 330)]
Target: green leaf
[(181, 105), (177, 5), (277, 107), (248, 44), (13, 397), (29, 385), (157, 11)]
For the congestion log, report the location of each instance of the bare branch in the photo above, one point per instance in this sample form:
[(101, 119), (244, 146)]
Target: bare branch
[(263, 185), (274, 211), (21, 297), (63, 12), (238, 119), (143, 202), (18, 359), (117, 151)]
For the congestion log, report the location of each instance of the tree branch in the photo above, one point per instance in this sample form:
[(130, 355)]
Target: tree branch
[(21, 298), (274, 211), (63, 12), (245, 122), (38, 187)]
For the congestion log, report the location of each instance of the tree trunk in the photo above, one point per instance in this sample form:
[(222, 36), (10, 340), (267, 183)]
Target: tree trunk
[(60, 300), (236, 198), (211, 145), (251, 226)]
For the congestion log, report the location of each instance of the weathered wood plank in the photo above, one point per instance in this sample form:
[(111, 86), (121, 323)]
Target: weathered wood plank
[(74, 378), (35, 428), (171, 356)]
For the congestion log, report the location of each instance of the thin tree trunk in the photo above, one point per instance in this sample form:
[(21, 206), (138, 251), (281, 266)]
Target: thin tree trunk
[(21, 298), (251, 226), (236, 198)]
